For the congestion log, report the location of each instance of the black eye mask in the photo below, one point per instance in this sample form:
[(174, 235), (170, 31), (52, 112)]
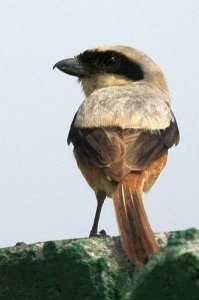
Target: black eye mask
[(111, 62)]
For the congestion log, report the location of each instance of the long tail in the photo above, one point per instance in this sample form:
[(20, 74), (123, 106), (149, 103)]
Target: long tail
[(136, 234)]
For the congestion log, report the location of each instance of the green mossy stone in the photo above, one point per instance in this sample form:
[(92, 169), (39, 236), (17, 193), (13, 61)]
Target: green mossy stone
[(174, 274), (97, 269), (73, 270)]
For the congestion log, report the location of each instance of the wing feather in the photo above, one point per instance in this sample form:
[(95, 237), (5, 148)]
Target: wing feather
[(120, 151)]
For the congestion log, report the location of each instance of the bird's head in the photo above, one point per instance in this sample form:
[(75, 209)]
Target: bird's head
[(113, 66)]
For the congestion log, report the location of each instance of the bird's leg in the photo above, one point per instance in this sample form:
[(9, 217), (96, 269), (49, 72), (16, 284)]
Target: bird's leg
[(100, 201)]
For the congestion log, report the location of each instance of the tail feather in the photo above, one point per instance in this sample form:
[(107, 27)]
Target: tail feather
[(136, 234)]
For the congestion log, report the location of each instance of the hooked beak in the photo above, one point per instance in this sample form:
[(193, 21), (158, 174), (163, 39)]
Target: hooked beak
[(72, 67)]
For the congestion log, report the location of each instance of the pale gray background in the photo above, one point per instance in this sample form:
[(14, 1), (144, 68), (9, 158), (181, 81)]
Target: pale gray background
[(43, 195)]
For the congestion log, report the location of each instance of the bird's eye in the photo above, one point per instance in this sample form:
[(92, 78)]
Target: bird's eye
[(110, 60)]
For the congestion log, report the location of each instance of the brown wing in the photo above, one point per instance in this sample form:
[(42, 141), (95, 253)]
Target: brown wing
[(120, 151)]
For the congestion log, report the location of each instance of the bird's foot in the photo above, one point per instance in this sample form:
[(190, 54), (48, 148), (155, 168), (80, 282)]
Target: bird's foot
[(102, 233)]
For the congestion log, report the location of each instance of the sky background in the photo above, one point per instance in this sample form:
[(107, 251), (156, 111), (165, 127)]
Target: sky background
[(43, 195)]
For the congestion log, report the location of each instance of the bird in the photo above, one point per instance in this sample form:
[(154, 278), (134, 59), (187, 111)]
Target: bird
[(121, 135)]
